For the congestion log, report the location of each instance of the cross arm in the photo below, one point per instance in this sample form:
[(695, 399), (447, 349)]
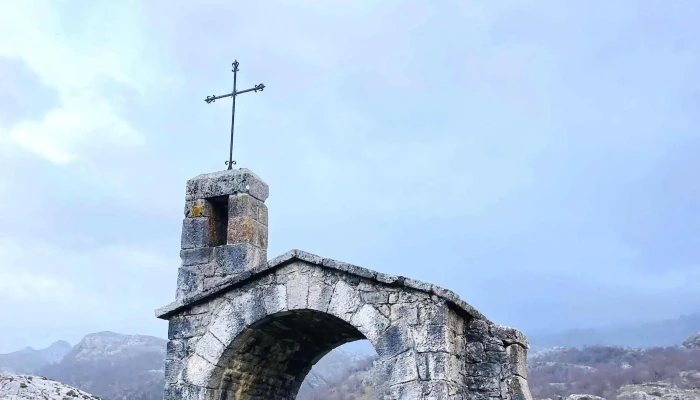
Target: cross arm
[(256, 88), (211, 99)]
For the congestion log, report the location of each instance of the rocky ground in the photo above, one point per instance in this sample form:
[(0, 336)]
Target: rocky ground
[(28, 387)]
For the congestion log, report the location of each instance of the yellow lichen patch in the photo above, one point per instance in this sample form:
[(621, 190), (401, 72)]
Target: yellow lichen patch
[(249, 231), (197, 210), (243, 230)]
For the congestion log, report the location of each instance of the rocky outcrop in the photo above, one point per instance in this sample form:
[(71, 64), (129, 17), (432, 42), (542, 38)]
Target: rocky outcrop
[(28, 387), (692, 342), (657, 391)]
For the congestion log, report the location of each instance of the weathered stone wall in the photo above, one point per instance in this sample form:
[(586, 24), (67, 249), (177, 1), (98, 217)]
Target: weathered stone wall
[(243, 328), (259, 340)]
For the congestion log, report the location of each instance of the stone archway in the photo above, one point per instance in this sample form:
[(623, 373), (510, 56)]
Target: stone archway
[(271, 358), (242, 328)]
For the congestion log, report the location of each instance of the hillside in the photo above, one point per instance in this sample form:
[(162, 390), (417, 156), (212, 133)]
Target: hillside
[(604, 370)]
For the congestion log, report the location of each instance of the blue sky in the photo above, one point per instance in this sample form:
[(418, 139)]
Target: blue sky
[(538, 159)]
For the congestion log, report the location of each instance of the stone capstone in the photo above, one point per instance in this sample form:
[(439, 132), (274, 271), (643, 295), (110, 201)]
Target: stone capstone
[(224, 183)]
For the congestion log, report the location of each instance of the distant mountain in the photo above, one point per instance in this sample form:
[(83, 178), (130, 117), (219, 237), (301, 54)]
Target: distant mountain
[(29, 361), (27, 387), (114, 366), (55, 352), (643, 335)]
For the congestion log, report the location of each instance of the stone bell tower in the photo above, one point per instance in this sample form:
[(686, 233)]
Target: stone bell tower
[(224, 231)]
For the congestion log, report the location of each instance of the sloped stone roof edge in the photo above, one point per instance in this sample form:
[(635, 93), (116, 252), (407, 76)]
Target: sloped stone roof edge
[(299, 255)]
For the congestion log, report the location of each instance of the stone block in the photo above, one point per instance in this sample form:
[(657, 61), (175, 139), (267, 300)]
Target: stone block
[(474, 352), (406, 391), (234, 258), (185, 326), (499, 357), (406, 313), (195, 256), (370, 322), (275, 299), (176, 349), (196, 232), (405, 368), (246, 230), (227, 322), (349, 268), (432, 338), (224, 183), (432, 313), (487, 384), (308, 257), (320, 294), (345, 301), (518, 389), (517, 360), (432, 366), (492, 344), (189, 282), (209, 347), (509, 335), (192, 392), (244, 205), (173, 369), (477, 330), (198, 209), (172, 392), (201, 373), (484, 369), (416, 284), (250, 305), (297, 284), (392, 280), (456, 322), (376, 297), (396, 339), (436, 390)]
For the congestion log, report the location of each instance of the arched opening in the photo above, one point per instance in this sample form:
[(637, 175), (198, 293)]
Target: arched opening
[(271, 358), (344, 373)]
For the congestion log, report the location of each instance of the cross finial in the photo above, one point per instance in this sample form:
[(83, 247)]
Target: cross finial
[(233, 94)]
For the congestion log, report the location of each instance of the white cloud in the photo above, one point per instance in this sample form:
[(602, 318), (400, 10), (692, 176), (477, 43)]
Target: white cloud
[(76, 58), (47, 272), (29, 287)]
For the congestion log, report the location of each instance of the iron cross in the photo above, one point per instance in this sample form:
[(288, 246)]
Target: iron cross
[(233, 94)]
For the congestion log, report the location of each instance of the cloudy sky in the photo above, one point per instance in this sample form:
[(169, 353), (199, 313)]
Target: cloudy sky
[(538, 159)]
